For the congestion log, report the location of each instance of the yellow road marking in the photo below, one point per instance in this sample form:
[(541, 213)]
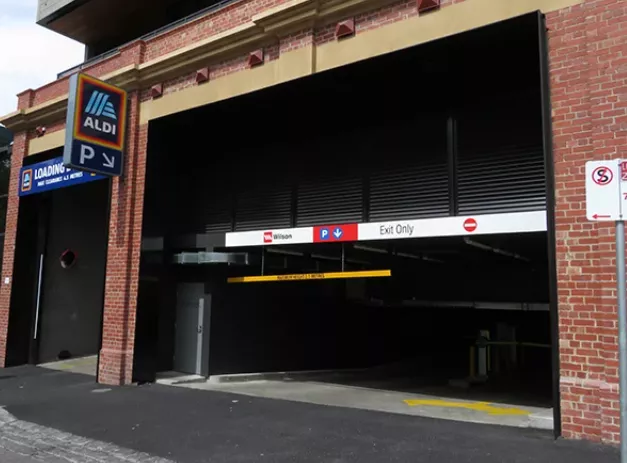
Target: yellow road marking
[(311, 276), (484, 407)]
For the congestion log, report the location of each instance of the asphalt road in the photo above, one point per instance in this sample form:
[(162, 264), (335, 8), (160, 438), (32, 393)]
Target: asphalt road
[(197, 426), (11, 457)]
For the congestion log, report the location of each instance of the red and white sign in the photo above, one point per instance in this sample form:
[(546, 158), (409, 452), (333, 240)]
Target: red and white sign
[(335, 233), (603, 190), (603, 175), (470, 225), (269, 237), (516, 222)]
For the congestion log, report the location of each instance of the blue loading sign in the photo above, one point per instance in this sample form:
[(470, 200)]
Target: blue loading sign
[(51, 175)]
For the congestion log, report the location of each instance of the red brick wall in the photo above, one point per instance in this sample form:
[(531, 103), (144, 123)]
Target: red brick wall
[(25, 99), (588, 61), (122, 276), (131, 54), (20, 146), (50, 128), (221, 20)]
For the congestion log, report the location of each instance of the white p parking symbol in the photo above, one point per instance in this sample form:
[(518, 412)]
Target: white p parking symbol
[(87, 153)]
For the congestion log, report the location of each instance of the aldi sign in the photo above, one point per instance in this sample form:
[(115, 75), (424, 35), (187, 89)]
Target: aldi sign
[(96, 126)]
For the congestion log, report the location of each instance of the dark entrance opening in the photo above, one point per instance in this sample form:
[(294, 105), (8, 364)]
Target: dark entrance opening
[(450, 304), (58, 276), (450, 128)]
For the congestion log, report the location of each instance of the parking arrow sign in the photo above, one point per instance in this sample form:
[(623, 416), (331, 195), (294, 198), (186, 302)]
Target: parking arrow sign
[(335, 233), (109, 161)]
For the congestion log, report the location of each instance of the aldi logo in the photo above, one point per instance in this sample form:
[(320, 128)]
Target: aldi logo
[(99, 105), (27, 180), (96, 110)]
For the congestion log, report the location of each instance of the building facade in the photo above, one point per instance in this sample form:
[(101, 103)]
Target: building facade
[(197, 55), (6, 143)]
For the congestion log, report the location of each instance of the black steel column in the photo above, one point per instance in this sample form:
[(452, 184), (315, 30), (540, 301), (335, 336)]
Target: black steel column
[(547, 139)]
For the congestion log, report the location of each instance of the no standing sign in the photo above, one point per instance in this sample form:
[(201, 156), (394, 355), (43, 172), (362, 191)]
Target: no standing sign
[(606, 200), (606, 184)]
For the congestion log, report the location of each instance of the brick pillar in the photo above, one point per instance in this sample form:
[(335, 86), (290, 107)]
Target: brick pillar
[(20, 147), (588, 68), (125, 225), (25, 99)]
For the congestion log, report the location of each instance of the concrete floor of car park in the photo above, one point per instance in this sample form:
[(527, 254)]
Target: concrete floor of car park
[(357, 389), (80, 365)]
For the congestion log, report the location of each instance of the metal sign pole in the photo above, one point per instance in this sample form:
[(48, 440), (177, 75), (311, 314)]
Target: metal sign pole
[(606, 200), (622, 334)]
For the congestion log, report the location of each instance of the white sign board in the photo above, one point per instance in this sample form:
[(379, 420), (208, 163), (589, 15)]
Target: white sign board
[(622, 165), (270, 237), (516, 222), (603, 190)]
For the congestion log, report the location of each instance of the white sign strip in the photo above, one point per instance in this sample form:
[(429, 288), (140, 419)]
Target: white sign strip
[(270, 237), (519, 222)]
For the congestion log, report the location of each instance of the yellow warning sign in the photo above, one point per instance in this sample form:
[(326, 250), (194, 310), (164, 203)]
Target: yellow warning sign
[(312, 276)]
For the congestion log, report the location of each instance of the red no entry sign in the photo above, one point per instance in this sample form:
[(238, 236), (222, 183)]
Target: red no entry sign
[(470, 225)]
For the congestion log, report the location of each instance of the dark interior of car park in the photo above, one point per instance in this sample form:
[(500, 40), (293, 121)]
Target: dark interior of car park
[(450, 128)]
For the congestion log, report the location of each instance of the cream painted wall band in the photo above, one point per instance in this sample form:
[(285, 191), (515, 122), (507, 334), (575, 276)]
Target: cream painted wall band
[(47, 142)]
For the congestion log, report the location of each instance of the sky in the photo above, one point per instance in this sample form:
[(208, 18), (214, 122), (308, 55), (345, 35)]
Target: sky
[(30, 55)]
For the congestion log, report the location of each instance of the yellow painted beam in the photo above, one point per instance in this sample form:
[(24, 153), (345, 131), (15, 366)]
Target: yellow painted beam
[(311, 276), (47, 142), (484, 407)]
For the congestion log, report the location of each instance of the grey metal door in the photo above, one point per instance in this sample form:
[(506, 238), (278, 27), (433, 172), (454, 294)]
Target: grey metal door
[(192, 329)]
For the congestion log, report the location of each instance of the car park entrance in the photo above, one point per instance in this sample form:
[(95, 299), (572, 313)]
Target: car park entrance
[(387, 218)]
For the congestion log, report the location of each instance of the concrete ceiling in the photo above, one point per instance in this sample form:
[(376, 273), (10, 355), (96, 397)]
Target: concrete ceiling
[(95, 21)]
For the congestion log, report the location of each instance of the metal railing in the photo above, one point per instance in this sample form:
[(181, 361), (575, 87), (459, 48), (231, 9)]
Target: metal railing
[(168, 27)]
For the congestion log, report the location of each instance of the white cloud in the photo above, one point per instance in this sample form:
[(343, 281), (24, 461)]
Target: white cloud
[(32, 56)]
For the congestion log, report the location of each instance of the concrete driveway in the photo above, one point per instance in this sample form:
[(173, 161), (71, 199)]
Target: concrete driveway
[(187, 425)]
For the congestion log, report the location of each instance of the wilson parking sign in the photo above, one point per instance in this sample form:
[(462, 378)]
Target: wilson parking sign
[(96, 126)]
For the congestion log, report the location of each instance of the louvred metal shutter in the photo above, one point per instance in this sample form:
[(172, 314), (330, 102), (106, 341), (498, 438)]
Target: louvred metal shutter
[(500, 164), (328, 201), (410, 192), (265, 207)]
